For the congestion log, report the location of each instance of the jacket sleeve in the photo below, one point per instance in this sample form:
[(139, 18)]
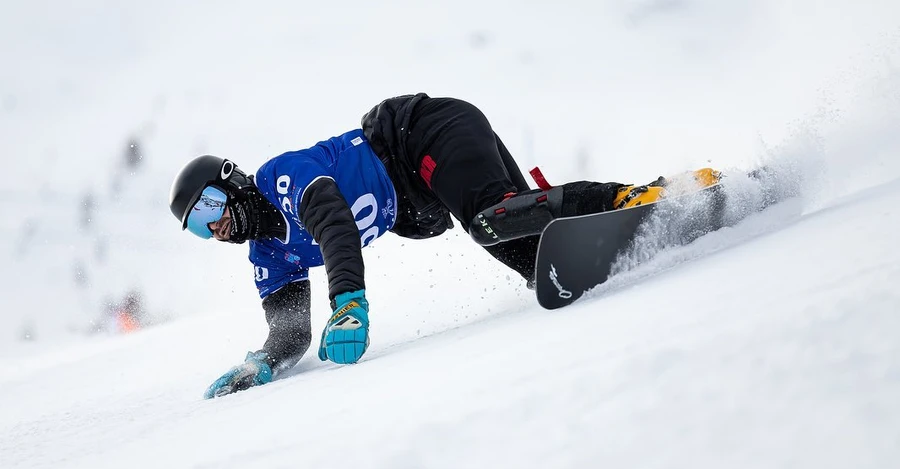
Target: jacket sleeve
[(327, 217), (287, 312)]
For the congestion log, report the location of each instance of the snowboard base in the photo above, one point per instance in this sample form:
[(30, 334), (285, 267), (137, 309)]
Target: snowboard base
[(576, 254)]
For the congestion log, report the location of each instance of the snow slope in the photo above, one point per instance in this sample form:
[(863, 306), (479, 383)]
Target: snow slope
[(768, 344), (778, 351)]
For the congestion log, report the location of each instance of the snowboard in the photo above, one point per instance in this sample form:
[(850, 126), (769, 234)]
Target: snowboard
[(576, 254)]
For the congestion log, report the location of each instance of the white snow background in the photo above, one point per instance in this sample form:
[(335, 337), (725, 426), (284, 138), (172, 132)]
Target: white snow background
[(773, 343)]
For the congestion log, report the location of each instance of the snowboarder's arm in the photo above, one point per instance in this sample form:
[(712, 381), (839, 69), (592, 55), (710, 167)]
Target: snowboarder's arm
[(287, 312), (327, 217)]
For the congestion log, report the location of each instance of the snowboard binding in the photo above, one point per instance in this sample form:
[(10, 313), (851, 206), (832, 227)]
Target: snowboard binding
[(679, 184)]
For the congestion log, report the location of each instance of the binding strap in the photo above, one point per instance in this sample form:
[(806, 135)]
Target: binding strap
[(539, 178)]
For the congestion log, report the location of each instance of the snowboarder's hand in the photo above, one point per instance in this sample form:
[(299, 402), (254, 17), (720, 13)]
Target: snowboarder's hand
[(346, 336), (253, 372)]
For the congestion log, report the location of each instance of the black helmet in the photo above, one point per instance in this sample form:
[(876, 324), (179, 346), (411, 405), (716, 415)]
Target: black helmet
[(197, 175)]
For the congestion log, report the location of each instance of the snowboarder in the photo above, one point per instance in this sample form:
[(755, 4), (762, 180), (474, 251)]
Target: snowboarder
[(416, 163)]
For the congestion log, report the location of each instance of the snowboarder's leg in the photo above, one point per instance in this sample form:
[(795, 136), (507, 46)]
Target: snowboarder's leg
[(471, 171), (461, 161), (468, 168), (527, 213), (518, 254)]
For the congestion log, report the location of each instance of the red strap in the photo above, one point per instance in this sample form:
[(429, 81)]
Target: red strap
[(427, 169), (540, 179)]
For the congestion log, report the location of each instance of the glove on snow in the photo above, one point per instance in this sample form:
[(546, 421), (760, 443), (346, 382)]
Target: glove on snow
[(253, 372), (346, 336)]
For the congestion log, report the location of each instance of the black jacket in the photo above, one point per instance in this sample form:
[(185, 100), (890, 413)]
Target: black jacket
[(387, 127)]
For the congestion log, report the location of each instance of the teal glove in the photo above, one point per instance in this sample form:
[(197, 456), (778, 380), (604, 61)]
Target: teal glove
[(253, 372), (346, 336)]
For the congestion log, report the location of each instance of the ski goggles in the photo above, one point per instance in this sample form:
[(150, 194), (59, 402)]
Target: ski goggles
[(209, 208)]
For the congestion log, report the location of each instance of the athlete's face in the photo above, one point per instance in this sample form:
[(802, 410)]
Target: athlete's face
[(222, 229)]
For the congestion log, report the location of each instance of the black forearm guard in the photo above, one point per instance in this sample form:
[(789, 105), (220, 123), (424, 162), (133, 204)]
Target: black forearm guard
[(287, 312)]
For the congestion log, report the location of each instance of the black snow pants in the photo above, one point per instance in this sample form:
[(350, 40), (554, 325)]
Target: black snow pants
[(464, 162)]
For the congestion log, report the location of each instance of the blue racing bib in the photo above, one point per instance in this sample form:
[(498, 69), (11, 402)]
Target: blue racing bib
[(363, 181)]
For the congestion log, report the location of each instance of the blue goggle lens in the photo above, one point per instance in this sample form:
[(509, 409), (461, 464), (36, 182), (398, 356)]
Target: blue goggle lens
[(209, 208)]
